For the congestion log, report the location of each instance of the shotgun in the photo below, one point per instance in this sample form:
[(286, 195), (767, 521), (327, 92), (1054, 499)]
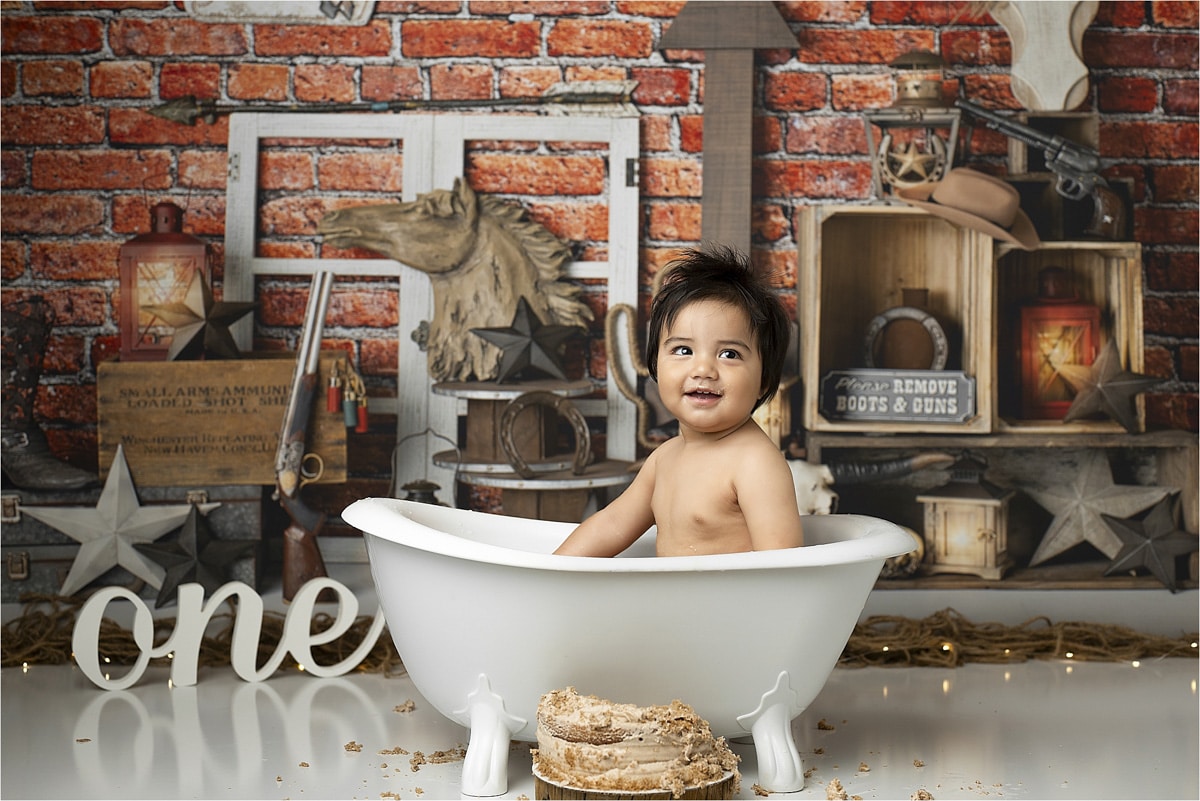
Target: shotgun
[(294, 468), (1074, 166)]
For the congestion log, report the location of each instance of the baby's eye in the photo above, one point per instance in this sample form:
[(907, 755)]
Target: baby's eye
[(730, 353), (681, 350)]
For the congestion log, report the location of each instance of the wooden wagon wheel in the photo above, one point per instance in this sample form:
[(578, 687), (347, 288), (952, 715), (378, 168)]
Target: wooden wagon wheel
[(583, 438)]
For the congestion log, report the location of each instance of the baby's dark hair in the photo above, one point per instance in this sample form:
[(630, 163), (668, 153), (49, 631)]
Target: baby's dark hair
[(723, 274)]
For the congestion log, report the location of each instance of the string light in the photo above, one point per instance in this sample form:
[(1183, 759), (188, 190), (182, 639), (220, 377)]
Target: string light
[(1070, 654), (1137, 663)]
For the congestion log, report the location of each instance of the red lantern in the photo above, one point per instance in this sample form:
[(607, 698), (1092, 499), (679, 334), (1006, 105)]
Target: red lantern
[(156, 269), (1056, 329)]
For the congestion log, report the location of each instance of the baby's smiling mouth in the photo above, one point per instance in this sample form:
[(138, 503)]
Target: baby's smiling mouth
[(702, 394)]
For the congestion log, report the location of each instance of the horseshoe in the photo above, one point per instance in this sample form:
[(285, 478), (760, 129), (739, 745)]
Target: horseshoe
[(583, 439)]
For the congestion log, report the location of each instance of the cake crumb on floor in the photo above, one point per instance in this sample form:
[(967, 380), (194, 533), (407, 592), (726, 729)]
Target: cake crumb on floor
[(835, 792)]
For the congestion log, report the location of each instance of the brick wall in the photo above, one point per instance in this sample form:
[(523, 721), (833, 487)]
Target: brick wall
[(82, 158)]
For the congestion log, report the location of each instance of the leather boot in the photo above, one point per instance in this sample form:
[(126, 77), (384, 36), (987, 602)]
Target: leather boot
[(25, 456)]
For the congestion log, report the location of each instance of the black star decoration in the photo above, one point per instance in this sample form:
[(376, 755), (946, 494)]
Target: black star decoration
[(527, 342), (195, 556), (1105, 387), (1152, 543), (201, 323)]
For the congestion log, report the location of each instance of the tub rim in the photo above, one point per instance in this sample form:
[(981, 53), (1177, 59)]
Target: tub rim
[(880, 540)]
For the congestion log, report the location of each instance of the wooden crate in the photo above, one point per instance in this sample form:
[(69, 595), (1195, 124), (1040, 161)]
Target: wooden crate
[(187, 423), (854, 263), (1106, 274)]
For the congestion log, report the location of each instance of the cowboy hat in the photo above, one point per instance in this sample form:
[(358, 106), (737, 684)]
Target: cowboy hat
[(979, 201)]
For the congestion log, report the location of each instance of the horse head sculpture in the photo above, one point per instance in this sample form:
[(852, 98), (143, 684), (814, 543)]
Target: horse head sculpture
[(481, 254)]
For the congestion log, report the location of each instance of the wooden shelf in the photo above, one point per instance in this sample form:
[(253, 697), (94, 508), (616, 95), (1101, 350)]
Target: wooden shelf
[(818, 441), (1074, 576)]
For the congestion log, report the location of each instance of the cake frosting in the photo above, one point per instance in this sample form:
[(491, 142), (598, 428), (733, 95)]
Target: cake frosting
[(588, 743)]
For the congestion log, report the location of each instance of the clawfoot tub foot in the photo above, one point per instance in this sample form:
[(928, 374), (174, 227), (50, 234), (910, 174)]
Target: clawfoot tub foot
[(485, 767), (780, 768)]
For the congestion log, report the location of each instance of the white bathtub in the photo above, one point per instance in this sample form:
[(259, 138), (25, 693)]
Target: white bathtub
[(487, 619)]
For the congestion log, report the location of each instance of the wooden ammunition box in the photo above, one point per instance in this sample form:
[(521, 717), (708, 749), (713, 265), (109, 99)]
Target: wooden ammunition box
[(195, 423)]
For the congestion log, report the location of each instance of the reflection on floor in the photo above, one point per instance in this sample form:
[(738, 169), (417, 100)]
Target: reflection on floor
[(1030, 730)]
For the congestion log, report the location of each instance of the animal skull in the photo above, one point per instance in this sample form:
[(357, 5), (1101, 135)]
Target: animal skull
[(813, 482)]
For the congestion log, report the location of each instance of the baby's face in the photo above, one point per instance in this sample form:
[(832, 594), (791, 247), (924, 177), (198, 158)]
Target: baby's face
[(709, 367)]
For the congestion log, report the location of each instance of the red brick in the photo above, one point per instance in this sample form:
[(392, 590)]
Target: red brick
[(875, 46), (46, 35), (1149, 140), (189, 79), (922, 12), (650, 8), (390, 83), (379, 357), (539, 8), (674, 222), (203, 169), (287, 250), (56, 78), (368, 308), (812, 179), (325, 83), (12, 168), (131, 126), (8, 78), (77, 305), (1175, 14), (977, 47), (1166, 226), (536, 175), (528, 81), (121, 79), (691, 133), (49, 215), (1181, 96), (615, 39), (1116, 49), (293, 216), (592, 72), (64, 355), (52, 125), (826, 135), (1167, 410), (1159, 362), (1127, 94), (767, 134), (849, 11), (258, 81), (78, 261), (411, 7), (769, 222), (64, 403), (667, 177), (460, 81), (203, 215), (129, 36), (858, 92), (101, 169), (1120, 15), (795, 91), (469, 38), (665, 86), (363, 172), (12, 260), (1171, 316), (285, 170), (1175, 183), (1170, 271), (654, 133), (1189, 361), (572, 222), (780, 266), (359, 41)]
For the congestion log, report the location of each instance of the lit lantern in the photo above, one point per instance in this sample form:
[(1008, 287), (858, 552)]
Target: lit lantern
[(156, 270), (966, 523), (1056, 329)]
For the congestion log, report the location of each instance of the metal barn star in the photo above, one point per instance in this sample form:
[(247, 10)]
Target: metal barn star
[(1105, 387), (201, 323), (1078, 506), (1152, 543), (108, 533), (527, 342), (195, 556)]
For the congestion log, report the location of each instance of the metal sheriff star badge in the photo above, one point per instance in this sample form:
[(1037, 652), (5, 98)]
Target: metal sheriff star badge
[(1105, 387), (528, 343), (109, 532), (1078, 506), (1152, 543), (195, 556), (201, 323)]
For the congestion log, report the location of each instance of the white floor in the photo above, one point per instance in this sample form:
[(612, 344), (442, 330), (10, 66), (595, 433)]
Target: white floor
[(1035, 730), (1043, 730)]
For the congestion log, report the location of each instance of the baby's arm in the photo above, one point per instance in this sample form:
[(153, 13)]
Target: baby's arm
[(767, 498), (615, 527)]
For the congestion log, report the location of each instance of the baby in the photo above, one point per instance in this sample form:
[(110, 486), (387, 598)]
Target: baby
[(716, 345)]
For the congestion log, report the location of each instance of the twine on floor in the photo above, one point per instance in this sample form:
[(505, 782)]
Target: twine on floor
[(42, 636)]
